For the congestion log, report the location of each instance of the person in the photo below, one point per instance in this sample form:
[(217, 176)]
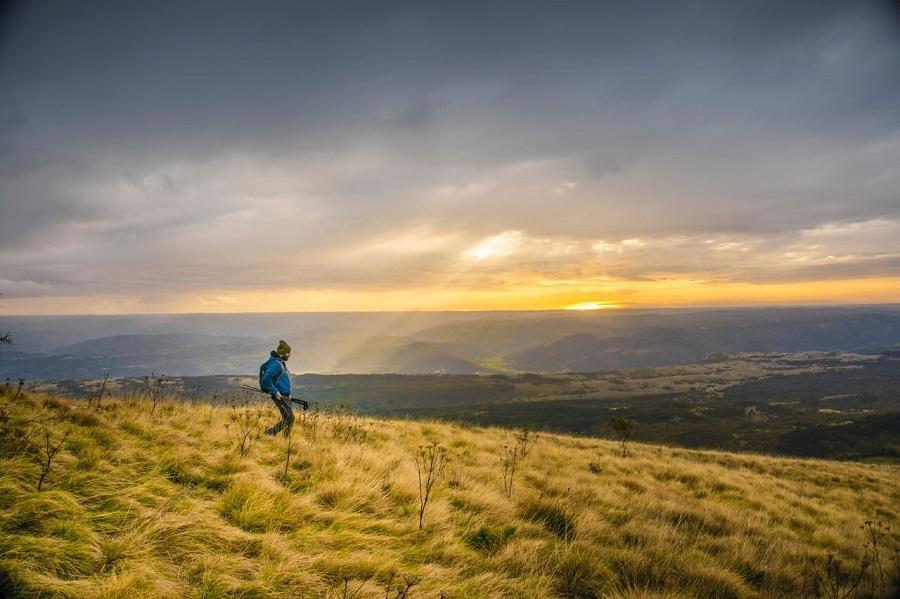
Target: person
[(275, 379)]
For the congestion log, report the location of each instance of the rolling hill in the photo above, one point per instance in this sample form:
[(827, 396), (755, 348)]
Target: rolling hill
[(583, 352)]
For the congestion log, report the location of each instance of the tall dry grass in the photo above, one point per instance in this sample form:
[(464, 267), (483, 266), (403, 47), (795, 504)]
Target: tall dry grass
[(163, 505)]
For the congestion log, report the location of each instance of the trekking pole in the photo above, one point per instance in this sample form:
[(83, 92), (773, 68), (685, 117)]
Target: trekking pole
[(296, 400)]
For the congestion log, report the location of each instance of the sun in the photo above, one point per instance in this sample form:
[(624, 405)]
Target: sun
[(593, 306)]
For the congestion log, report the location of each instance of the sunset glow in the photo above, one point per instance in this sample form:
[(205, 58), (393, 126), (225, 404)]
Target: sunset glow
[(592, 306), (524, 295)]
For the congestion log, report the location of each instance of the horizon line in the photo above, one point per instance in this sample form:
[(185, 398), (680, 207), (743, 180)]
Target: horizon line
[(621, 308)]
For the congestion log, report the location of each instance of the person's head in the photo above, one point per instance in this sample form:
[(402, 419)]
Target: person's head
[(283, 350)]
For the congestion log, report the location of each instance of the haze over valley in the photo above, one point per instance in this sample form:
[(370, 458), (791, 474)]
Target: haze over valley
[(428, 343)]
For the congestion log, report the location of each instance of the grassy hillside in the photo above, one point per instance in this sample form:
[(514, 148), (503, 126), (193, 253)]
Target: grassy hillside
[(810, 404), (152, 499)]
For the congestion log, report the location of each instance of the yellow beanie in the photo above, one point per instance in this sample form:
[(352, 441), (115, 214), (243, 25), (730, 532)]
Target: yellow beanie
[(283, 348)]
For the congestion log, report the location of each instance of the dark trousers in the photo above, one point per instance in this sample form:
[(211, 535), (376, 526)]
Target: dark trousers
[(287, 416)]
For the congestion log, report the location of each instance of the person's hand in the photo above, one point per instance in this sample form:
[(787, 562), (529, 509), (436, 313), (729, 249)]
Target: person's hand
[(277, 396)]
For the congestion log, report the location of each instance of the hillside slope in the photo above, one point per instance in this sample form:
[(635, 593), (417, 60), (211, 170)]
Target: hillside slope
[(155, 501)]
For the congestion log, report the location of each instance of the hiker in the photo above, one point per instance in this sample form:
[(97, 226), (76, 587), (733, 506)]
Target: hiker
[(275, 379)]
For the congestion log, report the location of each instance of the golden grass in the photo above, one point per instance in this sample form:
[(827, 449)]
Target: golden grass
[(162, 506)]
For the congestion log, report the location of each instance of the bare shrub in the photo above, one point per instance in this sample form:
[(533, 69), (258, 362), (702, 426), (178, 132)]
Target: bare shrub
[(244, 424), (409, 582), (347, 426), (19, 390), (154, 391), (402, 588), (884, 556), (877, 574), (95, 398), (512, 455), (525, 440), (343, 590), (830, 579), (509, 462), (622, 428), (46, 449), (430, 463)]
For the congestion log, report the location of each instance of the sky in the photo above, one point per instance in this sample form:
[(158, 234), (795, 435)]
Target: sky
[(287, 156)]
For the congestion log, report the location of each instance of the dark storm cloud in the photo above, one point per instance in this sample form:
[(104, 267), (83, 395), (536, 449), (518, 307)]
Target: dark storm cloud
[(141, 143)]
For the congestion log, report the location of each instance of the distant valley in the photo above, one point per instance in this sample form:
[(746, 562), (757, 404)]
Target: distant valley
[(819, 382), (53, 348)]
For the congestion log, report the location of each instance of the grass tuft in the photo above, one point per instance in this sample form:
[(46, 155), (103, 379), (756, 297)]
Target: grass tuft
[(257, 507), (490, 540), (554, 515), (580, 572)]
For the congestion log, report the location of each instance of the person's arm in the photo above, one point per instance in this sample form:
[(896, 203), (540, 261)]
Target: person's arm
[(273, 370)]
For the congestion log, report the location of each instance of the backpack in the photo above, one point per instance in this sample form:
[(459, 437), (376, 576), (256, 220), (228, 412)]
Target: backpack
[(262, 372)]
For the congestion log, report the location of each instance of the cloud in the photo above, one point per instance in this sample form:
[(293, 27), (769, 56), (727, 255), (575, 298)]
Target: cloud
[(216, 146), (500, 245)]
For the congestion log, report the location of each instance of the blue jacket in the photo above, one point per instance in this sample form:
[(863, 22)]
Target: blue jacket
[(274, 376)]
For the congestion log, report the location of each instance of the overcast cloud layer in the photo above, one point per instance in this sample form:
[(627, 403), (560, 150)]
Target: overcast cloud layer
[(151, 149)]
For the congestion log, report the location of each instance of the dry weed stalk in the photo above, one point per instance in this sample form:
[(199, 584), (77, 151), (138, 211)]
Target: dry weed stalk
[(879, 543), (243, 425), (430, 463), (831, 580), (95, 399), (18, 390), (525, 439), (155, 385), (509, 461), (347, 426), (45, 451), (309, 423), (345, 592), (871, 577), (289, 448), (403, 588), (512, 455)]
